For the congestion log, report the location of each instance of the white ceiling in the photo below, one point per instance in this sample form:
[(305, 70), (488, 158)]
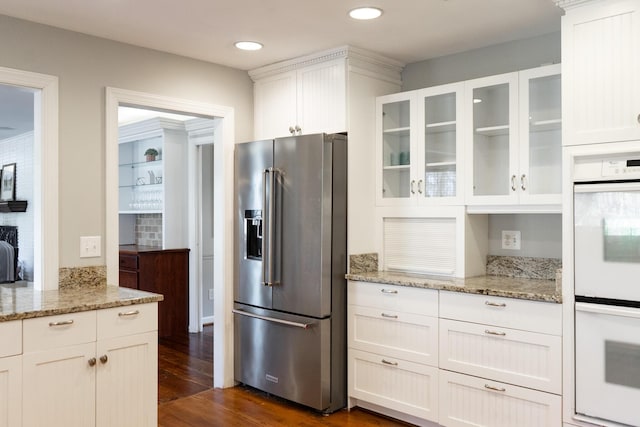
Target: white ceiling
[(408, 31)]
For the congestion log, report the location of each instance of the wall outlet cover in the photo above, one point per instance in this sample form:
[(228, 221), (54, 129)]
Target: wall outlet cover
[(89, 246), (511, 239)]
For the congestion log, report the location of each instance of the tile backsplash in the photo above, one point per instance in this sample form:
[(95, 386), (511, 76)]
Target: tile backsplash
[(148, 229)]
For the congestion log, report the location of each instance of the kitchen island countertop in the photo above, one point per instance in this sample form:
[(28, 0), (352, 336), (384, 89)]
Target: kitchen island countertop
[(22, 301), (500, 286)]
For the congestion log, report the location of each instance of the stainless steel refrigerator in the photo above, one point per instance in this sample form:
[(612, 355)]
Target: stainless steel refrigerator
[(289, 284)]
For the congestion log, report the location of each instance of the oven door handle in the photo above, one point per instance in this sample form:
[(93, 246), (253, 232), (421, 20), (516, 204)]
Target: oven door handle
[(606, 187), (611, 310)]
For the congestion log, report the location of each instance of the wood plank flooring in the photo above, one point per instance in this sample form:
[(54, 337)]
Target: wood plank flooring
[(186, 397)]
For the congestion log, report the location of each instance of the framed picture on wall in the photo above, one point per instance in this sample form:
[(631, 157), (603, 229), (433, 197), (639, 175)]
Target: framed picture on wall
[(8, 182)]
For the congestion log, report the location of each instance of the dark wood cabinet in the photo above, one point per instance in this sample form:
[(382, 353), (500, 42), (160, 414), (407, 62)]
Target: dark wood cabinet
[(163, 271)]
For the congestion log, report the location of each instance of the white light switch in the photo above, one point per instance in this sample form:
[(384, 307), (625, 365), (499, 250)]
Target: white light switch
[(89, 246), (511, 240)]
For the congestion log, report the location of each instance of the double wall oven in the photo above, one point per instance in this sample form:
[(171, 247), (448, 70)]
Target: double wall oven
[(607, 289)]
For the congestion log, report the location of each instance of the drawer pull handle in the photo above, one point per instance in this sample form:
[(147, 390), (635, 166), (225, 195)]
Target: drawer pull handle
[(386, 362), (61, 323), (501, 389), (495, 304), (390, 316), (129, 313), (92, 361), (388, 291), (502, 334)]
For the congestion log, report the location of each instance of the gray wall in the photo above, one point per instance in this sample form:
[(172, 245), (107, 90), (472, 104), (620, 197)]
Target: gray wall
[(85, 65), (497, 59), (541, 234)]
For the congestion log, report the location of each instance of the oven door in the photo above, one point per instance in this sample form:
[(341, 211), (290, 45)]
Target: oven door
[(608, 362), (607, 240)]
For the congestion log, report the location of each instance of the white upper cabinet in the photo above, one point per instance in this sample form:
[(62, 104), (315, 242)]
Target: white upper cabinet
[(419, 148), (601, 68), (309, 99), (514, 142)]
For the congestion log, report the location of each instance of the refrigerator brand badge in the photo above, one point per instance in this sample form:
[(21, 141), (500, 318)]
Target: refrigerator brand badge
[(272, 378)]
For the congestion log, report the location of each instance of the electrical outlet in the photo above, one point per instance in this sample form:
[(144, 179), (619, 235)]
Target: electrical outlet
[(511, 240), (89, 246), (211, 294)]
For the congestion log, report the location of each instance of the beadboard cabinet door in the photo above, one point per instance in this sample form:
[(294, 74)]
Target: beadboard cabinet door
[(11, 391), (601, 71)]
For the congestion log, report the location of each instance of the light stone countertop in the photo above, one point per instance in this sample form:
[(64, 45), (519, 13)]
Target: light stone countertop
[(20, 301), (500, 286)]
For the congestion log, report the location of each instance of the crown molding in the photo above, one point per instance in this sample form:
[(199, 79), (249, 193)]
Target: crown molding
[(359, 59), (569, 4)]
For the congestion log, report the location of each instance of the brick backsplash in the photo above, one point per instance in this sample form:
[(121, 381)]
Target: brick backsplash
[(149, 229)]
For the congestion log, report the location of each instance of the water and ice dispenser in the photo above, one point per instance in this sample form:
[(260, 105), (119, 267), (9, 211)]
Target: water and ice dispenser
[(253, 233)]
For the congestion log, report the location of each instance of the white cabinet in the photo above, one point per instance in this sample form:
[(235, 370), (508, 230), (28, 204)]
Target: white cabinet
[(601, 71), (91, 368), (514, 139), (11, 374), (393, 348), (154, 185), (419, 147), (307, 100), (470, 401)]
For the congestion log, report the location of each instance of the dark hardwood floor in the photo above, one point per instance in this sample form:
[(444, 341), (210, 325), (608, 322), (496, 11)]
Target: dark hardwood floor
[(186, 397)]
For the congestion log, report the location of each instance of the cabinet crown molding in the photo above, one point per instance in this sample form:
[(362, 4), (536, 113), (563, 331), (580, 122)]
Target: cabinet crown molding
[(360, 58), (568, 4), (148, 125)]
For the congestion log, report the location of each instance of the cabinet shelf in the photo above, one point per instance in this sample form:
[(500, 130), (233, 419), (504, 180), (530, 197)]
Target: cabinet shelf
[(493, 130), (545, 125), (142, 164), (397, 131), (440, 127), (440, 164), (141, 211), (397, 167), (141, 185)]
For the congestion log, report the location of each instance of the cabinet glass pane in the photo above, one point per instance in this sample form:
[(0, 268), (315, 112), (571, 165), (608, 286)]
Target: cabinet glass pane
[(440, 145), (545, 138), (491, 140), (140, 180), (396, 146)]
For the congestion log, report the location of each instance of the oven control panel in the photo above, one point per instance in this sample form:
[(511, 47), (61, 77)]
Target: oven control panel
[(609, 168)]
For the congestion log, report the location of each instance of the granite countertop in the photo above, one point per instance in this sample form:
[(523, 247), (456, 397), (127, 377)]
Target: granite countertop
[(501, 286), (20, 301)]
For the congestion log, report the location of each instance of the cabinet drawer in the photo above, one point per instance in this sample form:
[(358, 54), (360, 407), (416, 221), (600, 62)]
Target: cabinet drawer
[(397, 298), (469, 401), (129, 261), (404, 386), (11, 338), (44, 333), (513, 313), (128, 279), (509, 355), (127, 320), (406, 336)]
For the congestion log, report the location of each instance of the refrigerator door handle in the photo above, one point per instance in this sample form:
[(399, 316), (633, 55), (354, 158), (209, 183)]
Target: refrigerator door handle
[(271, 319), (268, 241)]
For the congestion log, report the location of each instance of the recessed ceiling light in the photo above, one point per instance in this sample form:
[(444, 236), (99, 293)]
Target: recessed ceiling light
[(246, 45), (364, 13)]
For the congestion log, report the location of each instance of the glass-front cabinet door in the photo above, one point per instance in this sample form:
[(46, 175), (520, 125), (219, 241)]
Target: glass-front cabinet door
[(440, 150), (492, 172), (395, 138), (540, 178)]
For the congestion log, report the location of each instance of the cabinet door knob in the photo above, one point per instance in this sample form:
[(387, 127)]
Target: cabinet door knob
[(292, 131), (513, 182), (299, 130), (104, 359), (92, 361), (638, 118), (522, 185)]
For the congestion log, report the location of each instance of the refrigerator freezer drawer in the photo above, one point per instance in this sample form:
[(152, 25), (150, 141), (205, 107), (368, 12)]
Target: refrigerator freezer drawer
[(283, 354)]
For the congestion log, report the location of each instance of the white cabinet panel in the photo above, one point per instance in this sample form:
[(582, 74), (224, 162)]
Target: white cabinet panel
[(401, 335), (126, 392), (470, 401), (517, 357), (397, 298), (601, 62), (127, 320), (51, 332), (11, 391), (11, 335), (59, 386), (404, 386), (512, 313), (275, 105)]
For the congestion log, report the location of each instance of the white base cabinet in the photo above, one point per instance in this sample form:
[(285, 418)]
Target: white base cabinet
[(453, 358), (471, 401), (10, 391), (94, 368)]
